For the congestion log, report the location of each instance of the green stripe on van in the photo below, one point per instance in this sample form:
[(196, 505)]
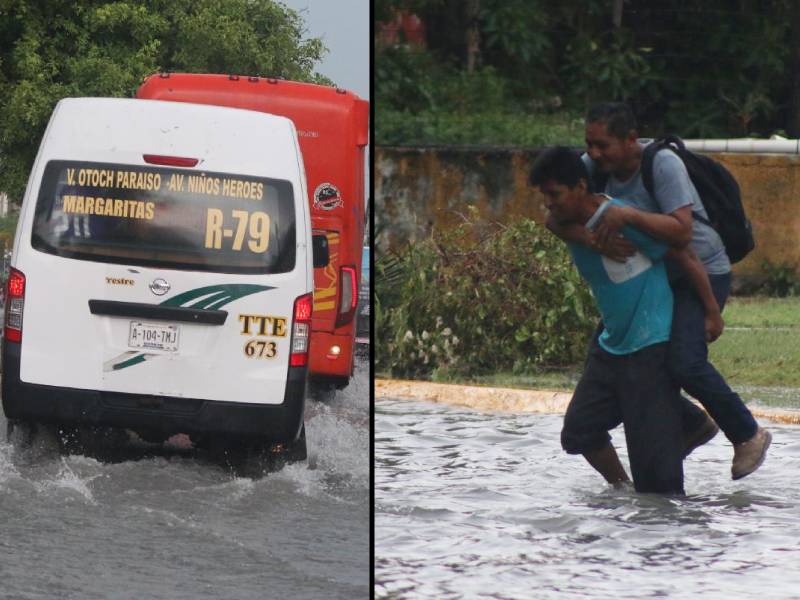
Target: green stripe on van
[(139, 358), (215, 296)]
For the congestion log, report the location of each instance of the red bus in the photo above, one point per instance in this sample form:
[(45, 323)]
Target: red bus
[(332, 126)]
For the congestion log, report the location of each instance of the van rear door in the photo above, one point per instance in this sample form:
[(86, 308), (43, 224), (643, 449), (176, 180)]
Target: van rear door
[(160, 279)]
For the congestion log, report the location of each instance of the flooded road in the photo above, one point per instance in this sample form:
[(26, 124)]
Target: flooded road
[(486, 505), (178, 526)]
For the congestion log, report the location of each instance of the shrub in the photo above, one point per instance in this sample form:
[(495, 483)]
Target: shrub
[(478, 299), (781, 280)]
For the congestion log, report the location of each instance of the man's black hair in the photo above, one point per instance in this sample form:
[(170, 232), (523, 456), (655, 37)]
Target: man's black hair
[(560, 164), (617, 116)]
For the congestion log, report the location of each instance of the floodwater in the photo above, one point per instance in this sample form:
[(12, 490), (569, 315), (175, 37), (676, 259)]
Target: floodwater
[(180, 526), (486, 505)]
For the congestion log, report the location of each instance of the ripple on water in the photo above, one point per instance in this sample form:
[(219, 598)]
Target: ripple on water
[(481, 505)]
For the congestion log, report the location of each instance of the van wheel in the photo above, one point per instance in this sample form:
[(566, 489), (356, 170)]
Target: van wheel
[(91, 440), (20, 433), (281, 453), (295, 451), (27, 435)]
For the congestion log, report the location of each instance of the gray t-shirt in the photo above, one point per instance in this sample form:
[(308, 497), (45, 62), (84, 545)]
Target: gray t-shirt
[(673, 190)]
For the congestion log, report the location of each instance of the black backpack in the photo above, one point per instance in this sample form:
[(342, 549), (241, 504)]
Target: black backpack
[(718, 191)]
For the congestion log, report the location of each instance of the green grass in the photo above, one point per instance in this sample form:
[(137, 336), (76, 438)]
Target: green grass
[(761, 357), (763, 312), (759, 353)]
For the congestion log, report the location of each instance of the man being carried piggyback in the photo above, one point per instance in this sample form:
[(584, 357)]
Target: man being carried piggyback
[(674, 214), (625, 378)]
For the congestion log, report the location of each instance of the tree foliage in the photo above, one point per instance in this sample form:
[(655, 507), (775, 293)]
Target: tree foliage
[(52, 49), (710, 69)]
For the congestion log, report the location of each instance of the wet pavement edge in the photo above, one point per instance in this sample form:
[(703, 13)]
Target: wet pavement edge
[(516, 400)]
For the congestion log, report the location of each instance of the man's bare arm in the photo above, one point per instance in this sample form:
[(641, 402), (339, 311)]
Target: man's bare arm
[(675, 228), (615, 248)]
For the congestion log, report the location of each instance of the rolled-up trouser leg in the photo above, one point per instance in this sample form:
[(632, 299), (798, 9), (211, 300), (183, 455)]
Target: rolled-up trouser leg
[(594, 409)]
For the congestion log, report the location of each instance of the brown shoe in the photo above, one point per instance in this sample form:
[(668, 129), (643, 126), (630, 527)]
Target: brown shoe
[(700, 436), (748, 456)]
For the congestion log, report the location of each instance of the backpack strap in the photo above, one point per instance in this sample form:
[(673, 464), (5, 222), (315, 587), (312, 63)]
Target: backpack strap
[(676, 145)]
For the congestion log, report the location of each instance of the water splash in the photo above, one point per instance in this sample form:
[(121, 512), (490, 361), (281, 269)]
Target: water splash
[(68, 480), (7, 468)]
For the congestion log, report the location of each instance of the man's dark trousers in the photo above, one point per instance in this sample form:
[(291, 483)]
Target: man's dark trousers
[(637, 390), (689, 366)]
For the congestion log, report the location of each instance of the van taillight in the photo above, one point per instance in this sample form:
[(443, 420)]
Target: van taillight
[(15, 303), (348, 296), (170, 161), (301, 330)]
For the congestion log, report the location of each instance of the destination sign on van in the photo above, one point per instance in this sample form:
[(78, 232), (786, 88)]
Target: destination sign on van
[(153, 336), (213, 221)]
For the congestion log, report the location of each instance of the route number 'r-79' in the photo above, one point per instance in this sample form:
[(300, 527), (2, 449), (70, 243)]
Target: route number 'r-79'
[(255, 225)]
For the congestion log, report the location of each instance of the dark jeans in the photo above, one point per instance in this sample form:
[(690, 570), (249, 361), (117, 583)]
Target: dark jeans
[(689, 366), (637, 390)]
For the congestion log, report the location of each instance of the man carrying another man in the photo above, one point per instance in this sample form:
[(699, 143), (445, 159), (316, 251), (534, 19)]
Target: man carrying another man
[(625, 378), (613, 149)]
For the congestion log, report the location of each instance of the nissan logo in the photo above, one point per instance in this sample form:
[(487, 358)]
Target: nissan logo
[(160, 287)]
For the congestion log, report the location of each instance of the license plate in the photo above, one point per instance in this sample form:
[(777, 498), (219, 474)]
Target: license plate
[(153, 336)]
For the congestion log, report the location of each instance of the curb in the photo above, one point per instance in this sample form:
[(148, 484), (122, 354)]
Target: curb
[(513, 400), (481, 398)]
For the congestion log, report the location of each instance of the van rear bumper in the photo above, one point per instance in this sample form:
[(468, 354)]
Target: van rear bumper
[(157, 414)]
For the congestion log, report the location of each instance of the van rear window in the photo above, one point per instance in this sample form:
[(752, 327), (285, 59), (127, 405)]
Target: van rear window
[(165, 217)]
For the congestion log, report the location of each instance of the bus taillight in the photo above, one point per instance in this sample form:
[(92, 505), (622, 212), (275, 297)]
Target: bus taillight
[(348, 295)]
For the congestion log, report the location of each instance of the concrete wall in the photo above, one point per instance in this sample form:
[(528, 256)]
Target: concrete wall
[(419, 189)]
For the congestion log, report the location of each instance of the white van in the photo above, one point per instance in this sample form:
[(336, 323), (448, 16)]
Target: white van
[(162, 274)]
